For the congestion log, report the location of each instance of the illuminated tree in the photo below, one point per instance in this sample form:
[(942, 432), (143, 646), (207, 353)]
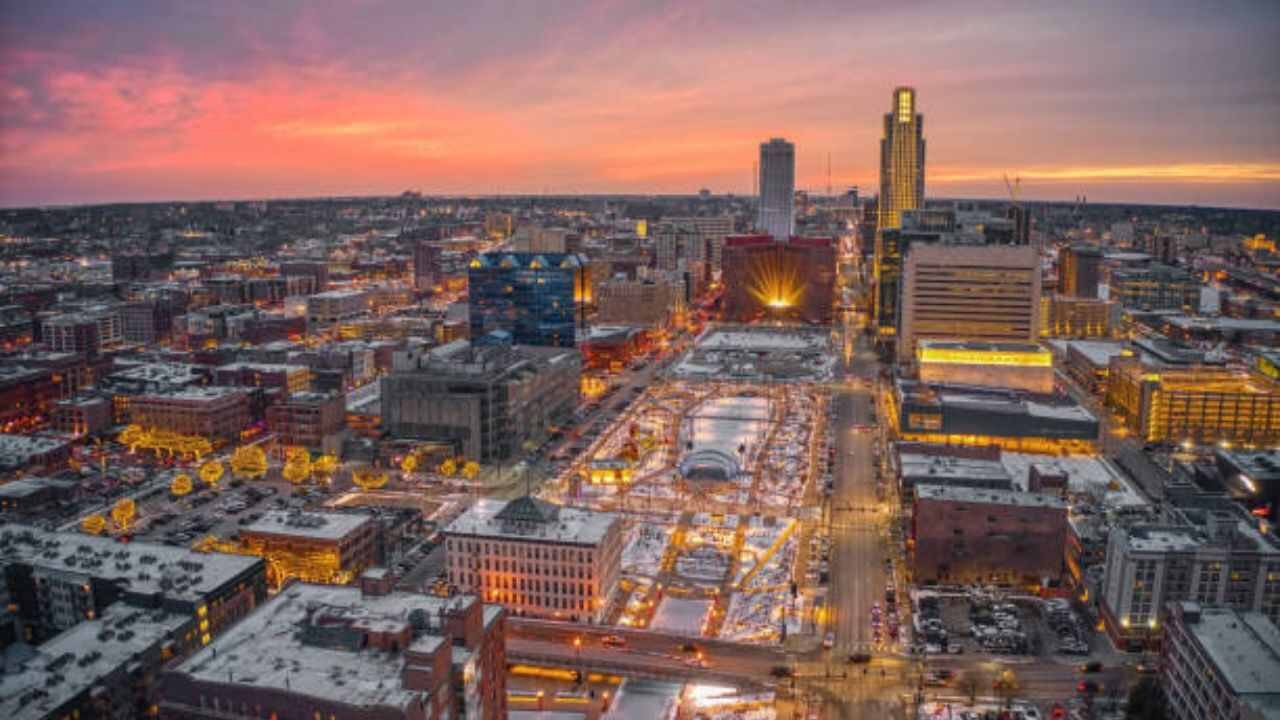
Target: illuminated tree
[(181, 485), (448, 468), (211, 472), (295, 453), (325, 465), (249, 461), (409, 463), (124, 512), (471, 469), (297, 470), (196, 447), (93, 524), (132, 436), (369, 479)]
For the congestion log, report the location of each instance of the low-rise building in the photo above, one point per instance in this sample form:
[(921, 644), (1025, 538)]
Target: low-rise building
[(60, 579), (1073, 317), (312, 546), (286, 379), (1013, 420), (348, 653), (1014, 366), (972, 467), (310, 420), (28, 495), (969, 535), (82, 416), (217, 413), (1220, 664), (1155, 287), (326, 308), (33, 452), (1088, 362), (536, 558)]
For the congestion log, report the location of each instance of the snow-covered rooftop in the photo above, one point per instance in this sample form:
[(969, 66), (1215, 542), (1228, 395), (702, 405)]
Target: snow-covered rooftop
[(1245, 646), (570, 525), (310, 525), (925, 491)]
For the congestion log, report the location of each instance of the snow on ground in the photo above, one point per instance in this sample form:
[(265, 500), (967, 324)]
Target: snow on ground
[(1085, 474), (777, 571), (753, 617), (645, 544), (714, 701), (704, 563), (681, 615)]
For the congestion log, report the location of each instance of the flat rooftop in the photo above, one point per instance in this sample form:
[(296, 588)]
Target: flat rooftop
[(926, 491), (571, 525), (1097, 352), (267, 649), (36, 681), (920, 465), (1245, 646), (139, 567), (309, 525)]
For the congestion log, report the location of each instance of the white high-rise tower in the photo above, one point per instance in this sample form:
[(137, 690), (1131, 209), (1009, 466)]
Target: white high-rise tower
[(777, 188)]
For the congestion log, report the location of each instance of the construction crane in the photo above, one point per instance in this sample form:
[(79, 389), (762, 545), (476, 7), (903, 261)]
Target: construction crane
[(1014, 188)]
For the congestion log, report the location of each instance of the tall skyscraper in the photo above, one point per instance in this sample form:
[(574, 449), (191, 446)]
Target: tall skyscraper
[(777, 188), (901, 159), (901, 188)]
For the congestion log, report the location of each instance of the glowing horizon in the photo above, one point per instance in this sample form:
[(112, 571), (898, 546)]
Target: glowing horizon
[(148, 100)]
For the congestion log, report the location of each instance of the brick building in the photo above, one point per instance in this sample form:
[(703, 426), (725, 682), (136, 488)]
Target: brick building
[(970, 535)]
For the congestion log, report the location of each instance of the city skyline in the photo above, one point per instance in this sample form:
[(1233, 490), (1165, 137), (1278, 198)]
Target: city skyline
[(1158, 102)]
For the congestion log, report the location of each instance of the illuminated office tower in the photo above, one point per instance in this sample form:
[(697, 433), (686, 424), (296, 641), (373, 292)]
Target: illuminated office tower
[(901, 159), (777, 188), (901, 189)]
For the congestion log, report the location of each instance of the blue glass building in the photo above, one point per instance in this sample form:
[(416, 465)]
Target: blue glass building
[(529, 296)]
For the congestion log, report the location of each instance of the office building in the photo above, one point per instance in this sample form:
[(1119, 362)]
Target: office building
[(426, 266), (1155, 287), (1220, 664), (766, 278), (1161, 402), (313, 420), (713, 229), (33, 452), (87, 332), (1206, 549), (147, 322), (976, 467), (315, 547), (776, 216), (891, 246), (1079, 270), (487, 401), (83, 416), (27, 395), (348, 653), (651, 303), (536, 558), (216, 413), (326, 308), (901, 160), (1014, 366), (1062, 316), (280, 378), (968, 535), (1088, 363), (528, 296), (985, 292)]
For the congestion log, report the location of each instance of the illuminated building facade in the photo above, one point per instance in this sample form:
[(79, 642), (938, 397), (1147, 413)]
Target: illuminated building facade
[(536, 558), (88, 332), (348, 653), (974, 416), (1079, 270), (1156, 287), (901, 159), (216, 413), (777, 214), (1208, 551), (326, 308), (82, 416), (977, 535), (331, 548), (486, 401), (530, 296), (1199, 403), (965, 292), (713, 229), (1071, 317), (613, 347), (1016, 366), (766, 278), (26, 397), (284, 379), (1219, 664), (649, 303)]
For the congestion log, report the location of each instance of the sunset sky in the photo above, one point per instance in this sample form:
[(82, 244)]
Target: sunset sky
[(1156, 101)]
